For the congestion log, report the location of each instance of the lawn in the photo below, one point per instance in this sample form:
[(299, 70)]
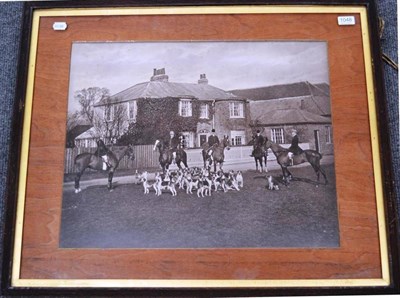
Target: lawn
[(298, 215)]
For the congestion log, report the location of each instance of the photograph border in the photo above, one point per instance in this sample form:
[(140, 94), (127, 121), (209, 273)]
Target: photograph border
[(386, 281)]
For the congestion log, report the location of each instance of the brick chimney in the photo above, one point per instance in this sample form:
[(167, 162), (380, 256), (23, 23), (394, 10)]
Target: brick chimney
[(203, 79), (159, 75)]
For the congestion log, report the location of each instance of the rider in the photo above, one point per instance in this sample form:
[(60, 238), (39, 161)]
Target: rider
[(294, 148), (103, 152), (258, 141), (212, 140), (173, 143)]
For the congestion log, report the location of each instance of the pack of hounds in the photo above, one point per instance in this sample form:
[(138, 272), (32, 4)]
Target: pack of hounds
[(192, 180)]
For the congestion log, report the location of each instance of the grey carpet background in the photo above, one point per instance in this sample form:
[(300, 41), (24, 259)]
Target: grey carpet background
[(10, 28)]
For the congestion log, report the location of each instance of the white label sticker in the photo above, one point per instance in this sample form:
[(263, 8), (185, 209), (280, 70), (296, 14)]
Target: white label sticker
[(59, 26), (346, 20)]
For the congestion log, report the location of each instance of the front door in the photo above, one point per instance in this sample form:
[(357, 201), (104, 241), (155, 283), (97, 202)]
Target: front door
[(203, 139)]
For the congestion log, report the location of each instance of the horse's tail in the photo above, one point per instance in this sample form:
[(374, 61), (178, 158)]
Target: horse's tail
[(76, 158), (314, 154)]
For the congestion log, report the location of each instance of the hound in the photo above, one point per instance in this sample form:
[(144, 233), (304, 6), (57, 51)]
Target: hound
[(219, 181), (146, 185), (137, 178), (192, 184), (239, 179), (164, 184), (205, 185), (271, 183), (230, 181)]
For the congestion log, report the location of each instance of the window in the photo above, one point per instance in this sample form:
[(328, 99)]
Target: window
[(277, 135), (328, 137), (204, 111), (236, 109), (132, 110), (188, 141), (238, 137), (185, 108)]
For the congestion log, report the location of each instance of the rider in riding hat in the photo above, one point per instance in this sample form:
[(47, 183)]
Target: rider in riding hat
[(173, 143), (258, 140), (212, 140), (103, 152), (294, 148)]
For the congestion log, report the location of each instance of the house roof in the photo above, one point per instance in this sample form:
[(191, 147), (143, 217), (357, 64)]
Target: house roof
[(287, 116), (88, 134), (161, 89), (314, 98), (283, 91), (78, 130)]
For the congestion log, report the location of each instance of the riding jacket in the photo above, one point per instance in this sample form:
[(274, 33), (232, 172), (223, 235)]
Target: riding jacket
[(173, 143), (259, 140), (101, 148), (212, 140), (294, 147)]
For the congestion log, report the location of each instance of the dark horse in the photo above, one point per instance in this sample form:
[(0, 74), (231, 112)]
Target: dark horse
[(166, 156), (218, 155), (260, 153), (311, 156), (95, 162)]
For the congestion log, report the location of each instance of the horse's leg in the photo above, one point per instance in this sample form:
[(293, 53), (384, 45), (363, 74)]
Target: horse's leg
[(77, 179), (81, 166), (266, 161), (185, 161), (204, 158), (110, 177), (284, 175), (289, 174), (321, 170), (318, 170), (261, 164), (255, 160), (178, 163)]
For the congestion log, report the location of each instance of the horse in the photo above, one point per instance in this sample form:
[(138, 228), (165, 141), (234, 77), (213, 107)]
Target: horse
[(260, 153), (166, 156), (313, 157), (218, 155), (95, 162)]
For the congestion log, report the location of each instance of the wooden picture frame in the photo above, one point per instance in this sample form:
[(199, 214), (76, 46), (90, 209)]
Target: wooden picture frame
[(366, 259)]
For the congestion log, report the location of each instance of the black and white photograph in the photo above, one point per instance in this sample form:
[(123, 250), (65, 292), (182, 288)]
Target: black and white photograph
[(193, 144)]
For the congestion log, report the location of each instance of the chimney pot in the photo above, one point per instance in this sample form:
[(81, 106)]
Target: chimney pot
[(159, 75), (203, 79)]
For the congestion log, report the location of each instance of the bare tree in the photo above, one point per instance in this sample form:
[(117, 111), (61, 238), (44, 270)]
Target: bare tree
[(87, 98), (73, 119), (110, 120)]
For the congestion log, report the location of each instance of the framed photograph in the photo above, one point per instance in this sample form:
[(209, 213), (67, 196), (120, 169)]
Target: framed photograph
[(205, 148)]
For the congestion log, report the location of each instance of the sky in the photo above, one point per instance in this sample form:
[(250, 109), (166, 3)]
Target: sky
[(227, 65)]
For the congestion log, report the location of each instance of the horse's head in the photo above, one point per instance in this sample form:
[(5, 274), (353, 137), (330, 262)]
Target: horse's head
[(157, 144), (225, 142), (274, 147), (268, 144)]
